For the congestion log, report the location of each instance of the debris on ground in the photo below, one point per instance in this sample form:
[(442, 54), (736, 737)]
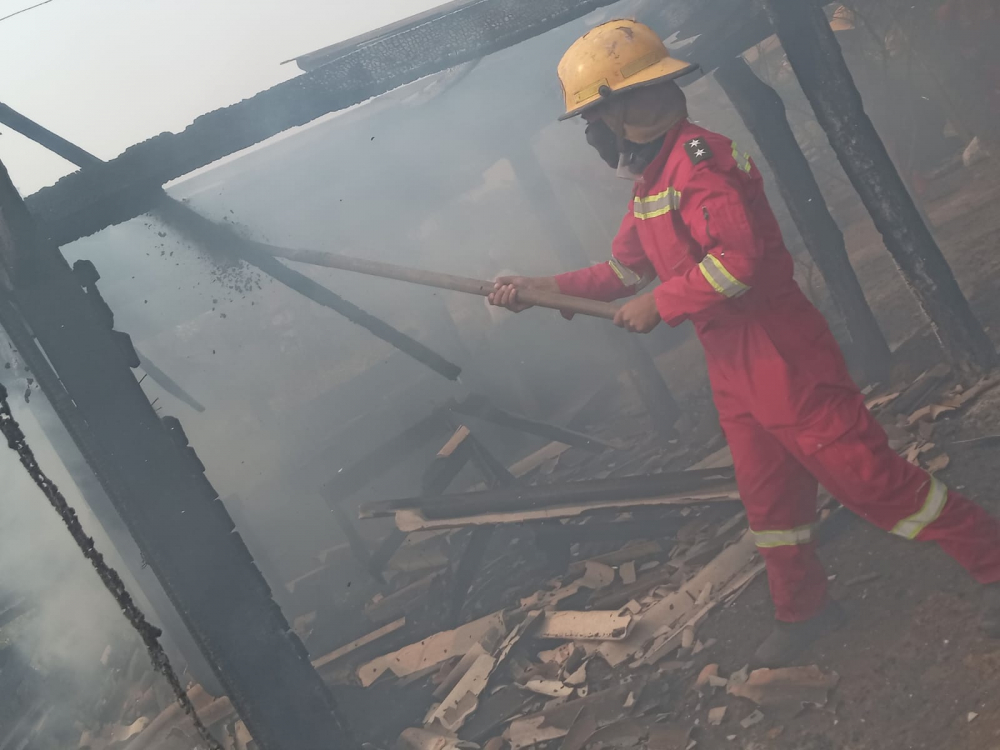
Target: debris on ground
[(788, 690), (600, 643)]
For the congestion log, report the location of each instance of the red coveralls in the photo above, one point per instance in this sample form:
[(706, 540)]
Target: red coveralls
[(792, 415)]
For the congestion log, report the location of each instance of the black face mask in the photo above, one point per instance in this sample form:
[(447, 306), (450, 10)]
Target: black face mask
[(637, 155), (599, 136)]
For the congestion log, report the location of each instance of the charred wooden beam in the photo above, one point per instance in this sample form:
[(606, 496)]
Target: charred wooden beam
[(764, 115), (85, 202), (222, 239), (816, 58), (216, 237), (518, 499), (480, 406), (169, 507), (376, 462), (45, 137)]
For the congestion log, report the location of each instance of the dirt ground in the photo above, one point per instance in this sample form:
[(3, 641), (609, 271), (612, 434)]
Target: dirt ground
[(915, 672)]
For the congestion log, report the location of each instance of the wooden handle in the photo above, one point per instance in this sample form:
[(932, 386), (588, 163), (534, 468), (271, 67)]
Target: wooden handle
[(553, 300)]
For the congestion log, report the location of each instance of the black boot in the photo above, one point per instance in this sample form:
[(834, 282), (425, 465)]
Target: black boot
[(789, 639), (989, 610)]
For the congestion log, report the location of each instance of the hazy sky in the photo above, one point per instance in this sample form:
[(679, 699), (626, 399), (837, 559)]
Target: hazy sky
[(109, 73)]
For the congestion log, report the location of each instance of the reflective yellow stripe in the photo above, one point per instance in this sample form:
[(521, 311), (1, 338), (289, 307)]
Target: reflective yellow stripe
[(625, 275), (656, 205), (743, 163), (910, 527), (721, 280), (788, 538)]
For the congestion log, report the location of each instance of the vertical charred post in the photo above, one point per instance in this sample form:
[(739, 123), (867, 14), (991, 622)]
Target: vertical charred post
[(168, 505), (816, 58), (763, 113)]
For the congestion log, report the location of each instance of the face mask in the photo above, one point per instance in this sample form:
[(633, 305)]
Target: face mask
[(600, 137), (626, 163)]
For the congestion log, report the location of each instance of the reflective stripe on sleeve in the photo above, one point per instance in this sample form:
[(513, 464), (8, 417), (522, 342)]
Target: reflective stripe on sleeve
[(656, 205), (788, 538), (743, 162), (628, 277), (721, 280), (911, 526), (625, 275)]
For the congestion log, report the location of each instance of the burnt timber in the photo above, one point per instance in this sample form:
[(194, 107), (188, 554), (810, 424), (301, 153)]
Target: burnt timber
[(517, 499)]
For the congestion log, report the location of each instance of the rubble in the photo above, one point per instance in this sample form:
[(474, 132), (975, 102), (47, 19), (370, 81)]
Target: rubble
[(787, 690), (565, 662), (556, 722), (430, 652)]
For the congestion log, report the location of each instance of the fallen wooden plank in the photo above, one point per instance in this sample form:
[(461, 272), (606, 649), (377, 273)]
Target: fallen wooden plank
[(493, 712), (454, 441), (431, 651), (413, 520), (539, 457), (630, 552), (604, 708), (396, 604), (354, 645), (586, 626), (543, 497), (661, 576), (477, 405), (465, 664), (680, 605), (464, 697)]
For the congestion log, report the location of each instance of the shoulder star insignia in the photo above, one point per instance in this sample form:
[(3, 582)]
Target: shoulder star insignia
[(697, 150)]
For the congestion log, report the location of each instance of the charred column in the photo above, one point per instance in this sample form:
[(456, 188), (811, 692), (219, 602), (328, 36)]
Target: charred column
[(166, 502), (763, 113), (816, 58)]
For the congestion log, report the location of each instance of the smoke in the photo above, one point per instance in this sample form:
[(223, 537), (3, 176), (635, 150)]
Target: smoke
[(63, 641)]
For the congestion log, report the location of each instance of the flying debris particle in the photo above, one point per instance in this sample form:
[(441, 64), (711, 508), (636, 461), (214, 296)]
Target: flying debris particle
[(161, 234)]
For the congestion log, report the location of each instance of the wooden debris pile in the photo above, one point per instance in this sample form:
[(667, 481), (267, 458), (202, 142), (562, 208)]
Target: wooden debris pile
[(586, 660), (913, 416)]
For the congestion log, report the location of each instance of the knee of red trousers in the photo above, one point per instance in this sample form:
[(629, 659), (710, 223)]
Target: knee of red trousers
[(797, 581)]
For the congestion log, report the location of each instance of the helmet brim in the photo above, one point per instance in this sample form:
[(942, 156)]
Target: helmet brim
[(666, 69)]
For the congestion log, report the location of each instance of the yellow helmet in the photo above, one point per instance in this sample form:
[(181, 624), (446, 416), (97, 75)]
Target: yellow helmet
[(614, 57)]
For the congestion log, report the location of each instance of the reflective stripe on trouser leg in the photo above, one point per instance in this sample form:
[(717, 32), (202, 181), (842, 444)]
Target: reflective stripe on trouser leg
[(911, 526), (794, 574), (784, 537)]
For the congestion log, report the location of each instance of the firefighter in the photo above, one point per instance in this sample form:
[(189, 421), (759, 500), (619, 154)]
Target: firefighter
[(700, 222)]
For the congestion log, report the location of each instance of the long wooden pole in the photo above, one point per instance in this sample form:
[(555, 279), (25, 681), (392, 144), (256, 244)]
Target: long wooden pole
[(551, 300)]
